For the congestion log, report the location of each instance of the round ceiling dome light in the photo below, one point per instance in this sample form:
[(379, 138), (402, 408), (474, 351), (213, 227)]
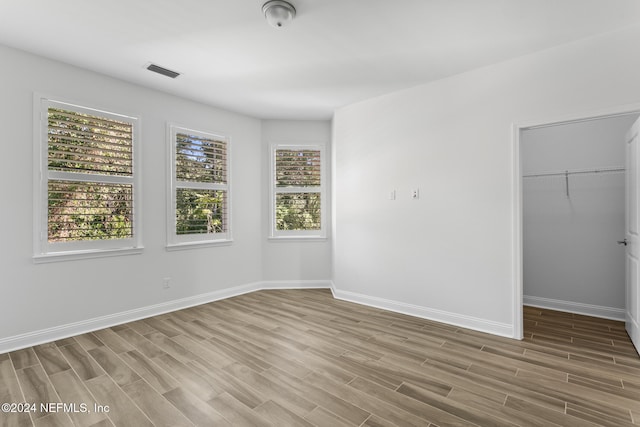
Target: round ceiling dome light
[(278, 13)]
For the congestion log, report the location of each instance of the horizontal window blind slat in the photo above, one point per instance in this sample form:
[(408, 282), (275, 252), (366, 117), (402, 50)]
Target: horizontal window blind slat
[(62, 146), (200, 152), (194, 177), (312, 175), (62, 206), (95, 143), (88, 167), (299, 160), (113, 136), (187, 160), (300, 167), (89, 237), (198, 140), (294, 153), (201, 157), (100, 155), (77, 116), (201, 169), (80, 191), (55, 202), (118, 134), (99, 159), (204, 174), (220, 148), (297, 189), (293, 182), (85, 227)]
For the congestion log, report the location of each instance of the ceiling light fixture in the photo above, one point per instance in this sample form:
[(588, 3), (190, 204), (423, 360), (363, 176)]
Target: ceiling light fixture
[(278, 13)]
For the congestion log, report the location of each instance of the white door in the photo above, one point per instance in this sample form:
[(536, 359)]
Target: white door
[(632, 321)]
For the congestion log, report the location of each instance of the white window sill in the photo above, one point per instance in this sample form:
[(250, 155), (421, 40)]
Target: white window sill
[(87, 254), (195, 245)]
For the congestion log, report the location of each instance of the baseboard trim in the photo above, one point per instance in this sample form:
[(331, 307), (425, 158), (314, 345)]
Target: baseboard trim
[(42, 336), (295, 284), (468, 322), (575, 307)]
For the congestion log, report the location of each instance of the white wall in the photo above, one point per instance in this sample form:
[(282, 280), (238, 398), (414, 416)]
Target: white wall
[(284, 259), (450, 255), (38, 297), (571, 259)]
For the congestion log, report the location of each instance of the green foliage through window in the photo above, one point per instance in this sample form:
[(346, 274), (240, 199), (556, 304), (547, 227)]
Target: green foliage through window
[(200, 211), (89, 211), (298, 211), (95, 208)]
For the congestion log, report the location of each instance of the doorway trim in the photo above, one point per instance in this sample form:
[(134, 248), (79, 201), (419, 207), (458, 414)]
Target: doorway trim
[(517, 211)]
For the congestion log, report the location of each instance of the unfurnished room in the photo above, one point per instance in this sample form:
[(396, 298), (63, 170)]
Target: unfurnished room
[(320, 213)]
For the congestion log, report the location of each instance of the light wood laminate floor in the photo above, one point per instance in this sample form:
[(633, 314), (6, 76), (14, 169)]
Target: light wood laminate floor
[(301, 358)]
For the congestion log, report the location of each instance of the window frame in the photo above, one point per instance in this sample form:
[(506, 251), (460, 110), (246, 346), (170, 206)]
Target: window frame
[(45, 251), (177, 241), (299, 235)]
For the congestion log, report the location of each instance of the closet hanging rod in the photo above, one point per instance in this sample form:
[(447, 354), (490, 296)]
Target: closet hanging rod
[(576, 172)]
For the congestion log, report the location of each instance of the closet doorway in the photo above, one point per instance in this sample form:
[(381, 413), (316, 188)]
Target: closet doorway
[(571, 215)]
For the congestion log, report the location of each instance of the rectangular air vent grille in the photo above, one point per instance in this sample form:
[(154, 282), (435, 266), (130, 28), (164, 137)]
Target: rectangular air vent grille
[(160, 70)]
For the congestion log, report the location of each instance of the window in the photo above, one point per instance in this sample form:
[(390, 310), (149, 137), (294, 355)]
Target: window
[(199, 202), (298, 195), (86, 189)]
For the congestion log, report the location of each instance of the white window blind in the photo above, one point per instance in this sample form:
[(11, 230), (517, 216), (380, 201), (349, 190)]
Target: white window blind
[(200, 187), (298, 191), (88, 186)]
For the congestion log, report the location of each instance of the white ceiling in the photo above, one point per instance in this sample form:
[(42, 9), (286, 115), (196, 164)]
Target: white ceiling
[(334, 53)]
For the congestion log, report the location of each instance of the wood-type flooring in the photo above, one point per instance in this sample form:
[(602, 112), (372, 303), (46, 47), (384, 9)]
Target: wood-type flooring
[(302, 358)]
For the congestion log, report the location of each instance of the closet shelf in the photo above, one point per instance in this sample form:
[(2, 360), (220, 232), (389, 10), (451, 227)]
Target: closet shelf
[(577, 172)]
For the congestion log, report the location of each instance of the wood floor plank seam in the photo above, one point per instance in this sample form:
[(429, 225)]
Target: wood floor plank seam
[(22, 395), (95, 400), (90, 355)]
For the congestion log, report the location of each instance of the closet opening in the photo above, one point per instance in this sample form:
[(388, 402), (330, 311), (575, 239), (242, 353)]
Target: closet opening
[(570, 216)]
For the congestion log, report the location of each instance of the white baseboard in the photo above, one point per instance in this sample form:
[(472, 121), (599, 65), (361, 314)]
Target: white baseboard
[(296, 284), (575, 307), (477, 324), (64, 331)]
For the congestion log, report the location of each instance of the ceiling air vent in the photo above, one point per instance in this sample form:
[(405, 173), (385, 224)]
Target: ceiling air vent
[(160, 70)]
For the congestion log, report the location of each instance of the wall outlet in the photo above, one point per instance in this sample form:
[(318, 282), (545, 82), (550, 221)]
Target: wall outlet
[(166, 283), (415, 194)]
